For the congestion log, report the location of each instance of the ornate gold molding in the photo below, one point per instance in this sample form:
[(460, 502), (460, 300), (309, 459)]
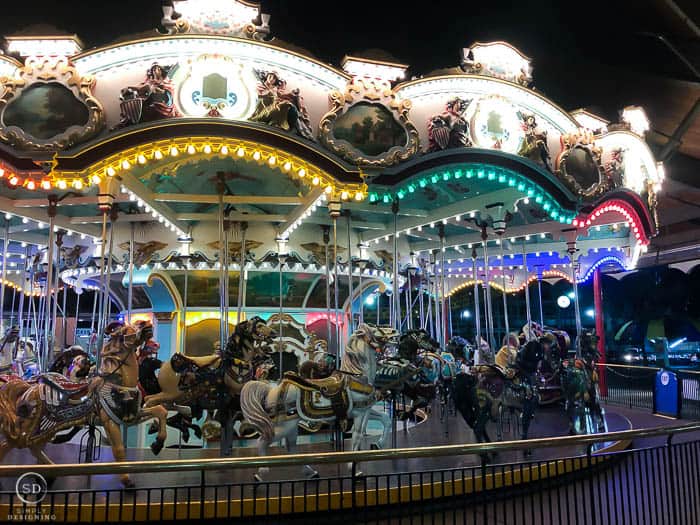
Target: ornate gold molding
[(368, 91), (584, 144), (43, 71)]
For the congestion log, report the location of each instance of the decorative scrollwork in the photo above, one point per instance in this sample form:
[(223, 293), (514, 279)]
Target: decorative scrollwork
[(368, 126), (38, 107), (579, 165)]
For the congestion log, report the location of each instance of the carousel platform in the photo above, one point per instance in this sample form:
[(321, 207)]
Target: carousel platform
[(233, 493)]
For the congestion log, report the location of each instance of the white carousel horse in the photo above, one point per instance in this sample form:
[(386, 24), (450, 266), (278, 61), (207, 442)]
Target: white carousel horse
[(349, 393)]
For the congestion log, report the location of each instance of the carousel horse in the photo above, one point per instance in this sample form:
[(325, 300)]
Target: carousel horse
[(579, 381), (74, 363), (417, 347), (31, 414), (491, 391), (8, 346), (348, 394), (191, 385), (25, 360)]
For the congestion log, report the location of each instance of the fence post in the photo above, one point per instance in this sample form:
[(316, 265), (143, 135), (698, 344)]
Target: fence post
[(671, 478), (591, 488)]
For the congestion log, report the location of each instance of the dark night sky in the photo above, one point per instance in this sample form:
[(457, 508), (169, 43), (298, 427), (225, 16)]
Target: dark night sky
[(584, 53)]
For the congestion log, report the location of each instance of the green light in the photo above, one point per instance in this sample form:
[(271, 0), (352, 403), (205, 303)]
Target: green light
[(538, 199), (554, 214), (446, 175), (386, 199), (372, 197), (492, 175), (546, 206), (521, 187), (480, 174), (470, 174), (511, 182), (458, 174), (501, 178), (530, 192), (422, 183), (411, 188), (401, 194), (434, 179)]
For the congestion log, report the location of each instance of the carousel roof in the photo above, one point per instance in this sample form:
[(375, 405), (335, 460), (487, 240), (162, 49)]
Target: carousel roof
[(167, 130)]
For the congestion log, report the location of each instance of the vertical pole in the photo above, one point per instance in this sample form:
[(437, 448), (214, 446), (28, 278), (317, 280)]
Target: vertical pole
[(227, 281), (600, 328), (421, 306), (47, 289), (350, 291), (528, 313), (5, 255), (241, 272), (505, 294), (539, 293), (281, 259), (107, 303), (56, 283), (379, 303), (222, 269), (12, 309), (326, 242), (362, 303), (409, 299), (336, 284), (477, 309), (23, 292), (487, 290), (577, 308), (77, 315), (443, 313), (183, 339), (130, 293), (436, 302), (396, 297), (65, 315), (100, 329)]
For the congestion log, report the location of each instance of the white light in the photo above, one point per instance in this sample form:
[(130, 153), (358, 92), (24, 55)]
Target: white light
[(43, 47), (8, 216), (563, 301), (637, 118), (361, 67), (369, 300), (590, 313)]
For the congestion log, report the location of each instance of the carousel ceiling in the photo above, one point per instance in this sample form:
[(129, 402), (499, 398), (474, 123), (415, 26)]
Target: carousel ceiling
[(168, 137)]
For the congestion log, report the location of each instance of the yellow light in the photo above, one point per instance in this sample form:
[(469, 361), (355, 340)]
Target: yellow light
[(287, 166), (302, 172), (157, 154), (224, 149), (141, 158), (359, 196), (78, 184), (31, 185), (174, 151), (125, 164), (207, 149), (344, 195), (316, 181), (329, 189), (272, 160), (111, 172), (45, 184), (61, 184), (96, 179), (240, 152), (191, 149), (256, 155)]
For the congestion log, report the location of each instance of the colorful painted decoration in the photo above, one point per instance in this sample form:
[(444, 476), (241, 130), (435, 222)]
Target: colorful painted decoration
[(449, 129), (371, 128), (153, 99), (280, 108), (495, 124), (534, 145)]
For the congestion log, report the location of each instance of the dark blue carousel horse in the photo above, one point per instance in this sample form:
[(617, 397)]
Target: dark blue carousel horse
[(487, 392), (579, 379)]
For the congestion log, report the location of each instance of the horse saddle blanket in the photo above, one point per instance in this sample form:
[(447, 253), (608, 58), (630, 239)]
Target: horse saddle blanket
[(62, 390), (327, 397), (122, 404)]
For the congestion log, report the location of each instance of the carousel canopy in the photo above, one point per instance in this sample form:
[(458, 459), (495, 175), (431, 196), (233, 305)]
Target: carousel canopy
[(217, 125)]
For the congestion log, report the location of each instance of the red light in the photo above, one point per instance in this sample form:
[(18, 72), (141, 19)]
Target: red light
[(46, 185), (31, 185), (2, 172), (14, 180)]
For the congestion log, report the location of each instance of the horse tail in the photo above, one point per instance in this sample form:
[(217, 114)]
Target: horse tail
[(253, 395), (66, 437), (147, 375)]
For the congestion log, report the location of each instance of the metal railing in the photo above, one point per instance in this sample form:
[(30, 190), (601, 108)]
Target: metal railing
[(594, 480)]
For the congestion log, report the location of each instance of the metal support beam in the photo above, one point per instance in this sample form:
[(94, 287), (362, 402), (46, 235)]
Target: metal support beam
[(38, 215), (139, 189)]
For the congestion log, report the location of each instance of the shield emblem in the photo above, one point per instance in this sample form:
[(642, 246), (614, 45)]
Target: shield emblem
[(441, 136), (132, 110)]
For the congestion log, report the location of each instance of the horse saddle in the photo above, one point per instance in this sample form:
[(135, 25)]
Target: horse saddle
[(195, 370), (64, 387), (328, 386)]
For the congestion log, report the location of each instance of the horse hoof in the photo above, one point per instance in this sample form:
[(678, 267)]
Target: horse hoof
[(157, 446), (258, 478), (153, 428), (374, 446), (360, 477), (197, 431), (128, 484), (186, 436)]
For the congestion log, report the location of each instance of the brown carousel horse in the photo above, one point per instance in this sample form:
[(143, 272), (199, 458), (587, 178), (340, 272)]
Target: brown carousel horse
[(190, 385), (32, 413)]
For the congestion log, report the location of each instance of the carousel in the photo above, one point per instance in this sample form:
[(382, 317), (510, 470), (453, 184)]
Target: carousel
[(214, 240)]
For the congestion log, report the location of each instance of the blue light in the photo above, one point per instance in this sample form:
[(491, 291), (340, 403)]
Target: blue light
[(466, 314), (570, 295), (369, 301), (590, 313), (677, 342)]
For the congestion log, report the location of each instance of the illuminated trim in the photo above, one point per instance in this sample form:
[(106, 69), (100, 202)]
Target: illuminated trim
[(469, 85), (162, 152), (8, 66), (148, 50), (632, 144), (479, 171)]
